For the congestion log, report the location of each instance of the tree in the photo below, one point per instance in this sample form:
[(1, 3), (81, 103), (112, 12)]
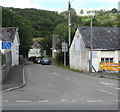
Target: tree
[(114, 10), (43, 22), (13, 19), (46, 44)]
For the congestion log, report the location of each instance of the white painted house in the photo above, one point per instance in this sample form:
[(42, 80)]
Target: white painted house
[(106, 47), (11, 35), (8, 57), (35, 51)]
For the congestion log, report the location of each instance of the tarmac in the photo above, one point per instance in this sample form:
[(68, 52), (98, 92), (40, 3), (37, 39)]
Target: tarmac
[(15, 79)]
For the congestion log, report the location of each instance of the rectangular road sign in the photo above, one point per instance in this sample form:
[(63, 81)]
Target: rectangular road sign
[(6, 45), (64, 47), (110, 66)]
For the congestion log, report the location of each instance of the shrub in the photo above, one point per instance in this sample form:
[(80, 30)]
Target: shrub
[(59, 58)]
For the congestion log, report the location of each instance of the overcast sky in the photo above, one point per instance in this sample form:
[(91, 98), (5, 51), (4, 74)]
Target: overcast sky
[(61, 5)]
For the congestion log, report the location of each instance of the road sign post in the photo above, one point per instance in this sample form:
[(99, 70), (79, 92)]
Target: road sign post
[(64, 49)]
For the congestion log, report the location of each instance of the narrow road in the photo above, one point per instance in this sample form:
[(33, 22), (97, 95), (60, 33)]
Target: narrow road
[(49, 88)]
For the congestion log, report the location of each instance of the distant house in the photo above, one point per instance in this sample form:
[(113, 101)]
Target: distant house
[(11, 34), (106, 47), (35, 51)]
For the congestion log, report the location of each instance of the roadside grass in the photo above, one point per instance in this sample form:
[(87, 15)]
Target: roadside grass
[(115, 74), (67, 67)]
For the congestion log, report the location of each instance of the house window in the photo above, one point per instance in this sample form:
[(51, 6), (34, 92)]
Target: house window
[(102, 59), (111, 60), (107, 60)]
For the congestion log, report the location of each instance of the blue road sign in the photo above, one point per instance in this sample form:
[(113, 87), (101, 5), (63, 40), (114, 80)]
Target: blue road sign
[(6, 45)]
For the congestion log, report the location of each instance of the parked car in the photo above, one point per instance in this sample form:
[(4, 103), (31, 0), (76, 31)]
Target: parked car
[(37, 60), (34, 60), (45, 61)]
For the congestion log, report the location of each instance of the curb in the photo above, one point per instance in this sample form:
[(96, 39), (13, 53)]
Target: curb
[(105, 76), (18, 87)]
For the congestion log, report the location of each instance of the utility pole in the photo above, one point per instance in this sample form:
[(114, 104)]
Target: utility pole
[(69, 24), (91, 41), (69, 30)]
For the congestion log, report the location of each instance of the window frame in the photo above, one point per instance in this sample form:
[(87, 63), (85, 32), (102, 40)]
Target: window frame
[(107, 59)]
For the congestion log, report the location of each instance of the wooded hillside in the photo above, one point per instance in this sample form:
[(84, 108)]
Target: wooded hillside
[(41, 23)]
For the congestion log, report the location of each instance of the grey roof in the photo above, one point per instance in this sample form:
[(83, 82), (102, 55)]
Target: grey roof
[(7, 33), (36, 45), (104, 38)]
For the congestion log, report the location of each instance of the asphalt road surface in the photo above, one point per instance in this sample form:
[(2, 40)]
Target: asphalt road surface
[(51, 88)]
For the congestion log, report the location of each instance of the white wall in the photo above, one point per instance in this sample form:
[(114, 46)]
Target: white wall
[(119, 56), (105, 54), (79, 55), (109, 54), (15, 50), (2, 50), (34, 52)]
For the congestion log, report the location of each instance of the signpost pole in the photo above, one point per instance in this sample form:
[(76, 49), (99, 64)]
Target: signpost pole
[(64, 50), (65, 54)]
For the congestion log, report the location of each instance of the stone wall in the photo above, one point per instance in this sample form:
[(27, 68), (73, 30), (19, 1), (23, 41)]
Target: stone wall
[(4, 71)]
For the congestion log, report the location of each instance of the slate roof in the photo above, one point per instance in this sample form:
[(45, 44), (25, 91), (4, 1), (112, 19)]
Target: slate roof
[(36, 45), (104, 38), (7, 33)]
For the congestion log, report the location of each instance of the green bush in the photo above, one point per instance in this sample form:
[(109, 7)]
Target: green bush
[(59, 58), (32, 58), (2, 59)]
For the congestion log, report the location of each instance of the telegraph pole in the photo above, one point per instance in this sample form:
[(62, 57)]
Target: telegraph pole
[(69, 30), (69, 23), (91, 41)]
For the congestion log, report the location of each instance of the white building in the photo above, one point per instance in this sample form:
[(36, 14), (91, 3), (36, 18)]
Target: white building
[(11, 35), (35, 51), (8, 57), (106, 47)]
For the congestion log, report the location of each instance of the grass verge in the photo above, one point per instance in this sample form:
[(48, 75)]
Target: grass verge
[(67, 67)]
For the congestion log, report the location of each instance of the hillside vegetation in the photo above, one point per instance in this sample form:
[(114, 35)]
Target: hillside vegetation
[(41, 23)]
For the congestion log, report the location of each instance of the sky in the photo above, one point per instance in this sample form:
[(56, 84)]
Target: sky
[(61, 5)]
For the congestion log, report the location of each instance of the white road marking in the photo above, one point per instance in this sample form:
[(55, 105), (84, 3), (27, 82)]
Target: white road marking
[(65, 78), (5, 101), (63, 100), (110, 85), (71, 80), (93, 101), (43, 101), (23, 101), (74, 100), (56, 74), (106, 92)]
